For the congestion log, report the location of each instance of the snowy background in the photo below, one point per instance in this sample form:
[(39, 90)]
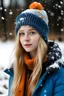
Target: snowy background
[(5, 53), (6, 49), (9, 9)]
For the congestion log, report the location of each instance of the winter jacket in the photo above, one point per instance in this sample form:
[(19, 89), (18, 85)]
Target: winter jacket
[(51, 82)]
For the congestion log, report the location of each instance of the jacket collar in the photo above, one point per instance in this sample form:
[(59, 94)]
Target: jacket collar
[(54, 57)]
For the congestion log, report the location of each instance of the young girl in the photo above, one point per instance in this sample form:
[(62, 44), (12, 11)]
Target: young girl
[(38, 67)]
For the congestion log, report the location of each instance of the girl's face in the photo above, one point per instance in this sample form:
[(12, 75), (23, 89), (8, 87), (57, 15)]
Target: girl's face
[(29, 38)]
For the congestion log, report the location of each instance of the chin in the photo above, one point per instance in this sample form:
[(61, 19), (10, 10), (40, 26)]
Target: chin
[(28, 50)]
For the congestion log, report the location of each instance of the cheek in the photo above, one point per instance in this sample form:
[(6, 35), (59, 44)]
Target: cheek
[(35, 42)]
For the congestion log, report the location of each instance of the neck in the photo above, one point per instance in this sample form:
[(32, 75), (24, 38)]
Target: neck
[(32, 54)]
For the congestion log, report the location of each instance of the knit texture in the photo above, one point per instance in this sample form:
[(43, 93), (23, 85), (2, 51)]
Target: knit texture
[(22, 89), (35, 18)]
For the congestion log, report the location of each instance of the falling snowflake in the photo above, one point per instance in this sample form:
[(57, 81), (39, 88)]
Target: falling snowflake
[(59, 18), (10, 33), (62, 29), (48, 11), (1, 8), (59, 6), (57, 24), (62, 12), (10, 12), (2, 18), (5, 10), (56, 4), (61, 2), (51, 14)]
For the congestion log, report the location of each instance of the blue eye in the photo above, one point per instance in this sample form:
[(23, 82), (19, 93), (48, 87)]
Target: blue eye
[(21, 33), (32, 32)]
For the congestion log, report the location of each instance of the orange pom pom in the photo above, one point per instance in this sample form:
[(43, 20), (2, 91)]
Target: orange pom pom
[(36, 5)]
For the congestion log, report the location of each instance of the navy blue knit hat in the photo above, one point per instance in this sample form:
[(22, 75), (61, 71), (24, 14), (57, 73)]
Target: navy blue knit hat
[(35, 18)]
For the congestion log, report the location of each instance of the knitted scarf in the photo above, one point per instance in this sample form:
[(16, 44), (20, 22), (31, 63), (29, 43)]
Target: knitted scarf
[(22, 89)]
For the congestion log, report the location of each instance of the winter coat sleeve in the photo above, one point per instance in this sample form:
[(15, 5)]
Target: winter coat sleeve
[(59, 83), (9, 85)]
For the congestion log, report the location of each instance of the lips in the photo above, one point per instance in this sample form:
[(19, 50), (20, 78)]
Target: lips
[(28, 45)]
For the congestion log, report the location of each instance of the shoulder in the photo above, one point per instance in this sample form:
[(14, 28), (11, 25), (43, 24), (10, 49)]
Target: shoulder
[(55, 71), (54, 80)]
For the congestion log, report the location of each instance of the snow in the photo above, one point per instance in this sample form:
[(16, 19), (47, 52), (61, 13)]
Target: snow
[(6, 49), (2, 18), (55, 65), (10, 12), (62, 30), (5, 52), (1, 8)]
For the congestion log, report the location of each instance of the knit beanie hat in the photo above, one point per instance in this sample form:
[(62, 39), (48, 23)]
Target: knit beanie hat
[(35, 18)]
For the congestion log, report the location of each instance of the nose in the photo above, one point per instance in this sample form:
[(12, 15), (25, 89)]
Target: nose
[(27, 38)]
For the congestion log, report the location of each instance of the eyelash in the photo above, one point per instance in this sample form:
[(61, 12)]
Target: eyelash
[(22, 33), (32, 32)]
